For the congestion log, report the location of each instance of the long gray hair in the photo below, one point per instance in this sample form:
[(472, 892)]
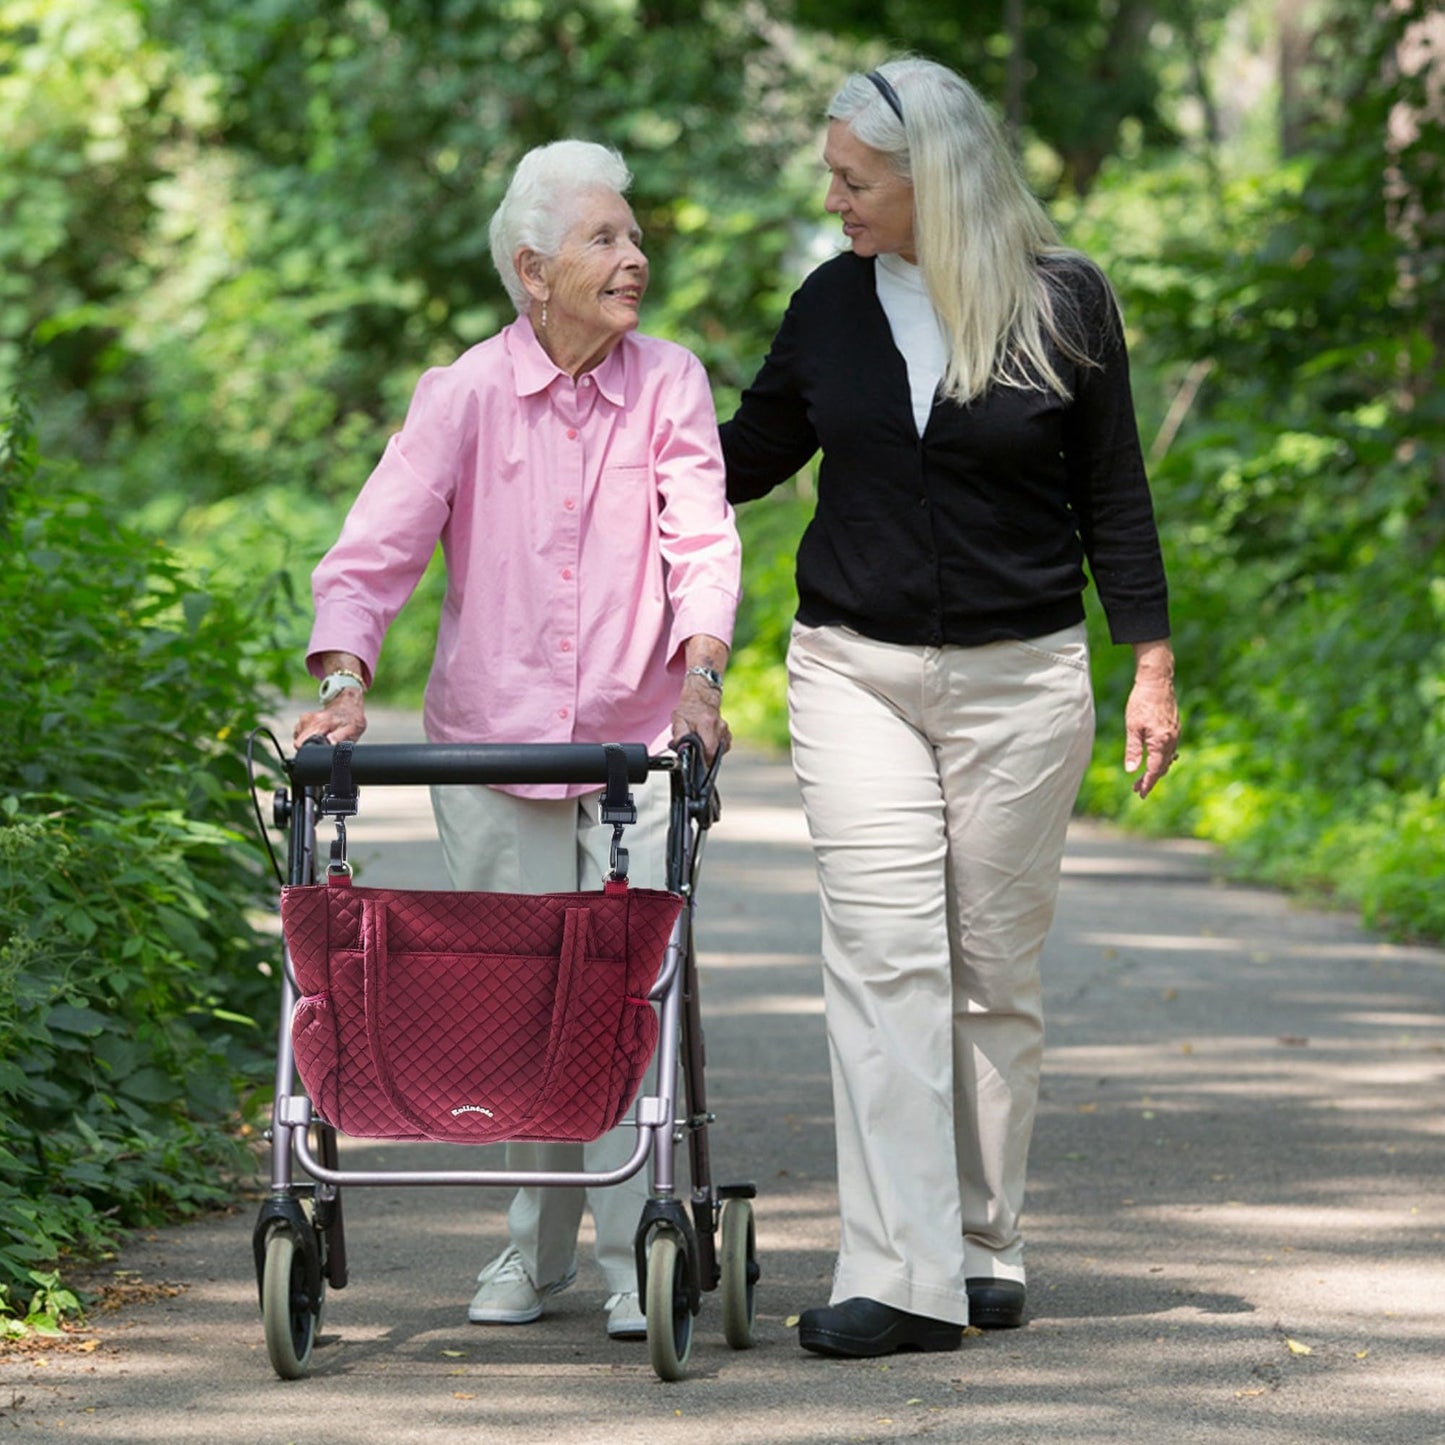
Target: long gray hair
[(979, 232), (540, 202)]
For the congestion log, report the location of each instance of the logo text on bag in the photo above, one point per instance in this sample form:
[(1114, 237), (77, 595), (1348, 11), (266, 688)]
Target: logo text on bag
[(472, 1109)]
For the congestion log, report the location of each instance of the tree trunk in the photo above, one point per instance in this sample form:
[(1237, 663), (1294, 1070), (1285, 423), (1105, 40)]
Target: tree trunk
[(1204, 93), (1118, 57)]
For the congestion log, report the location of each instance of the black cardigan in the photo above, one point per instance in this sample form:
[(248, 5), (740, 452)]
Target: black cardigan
[(979, 530)]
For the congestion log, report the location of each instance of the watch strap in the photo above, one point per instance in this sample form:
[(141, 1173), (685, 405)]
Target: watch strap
[(709, 675), (339, 681)]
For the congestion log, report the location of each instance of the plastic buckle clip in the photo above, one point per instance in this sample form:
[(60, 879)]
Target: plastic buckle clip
[(618, 807)]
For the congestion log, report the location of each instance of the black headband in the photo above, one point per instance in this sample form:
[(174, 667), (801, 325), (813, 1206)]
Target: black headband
[(888, 93)]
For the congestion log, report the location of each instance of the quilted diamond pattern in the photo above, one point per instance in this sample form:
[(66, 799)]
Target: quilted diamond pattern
[(474, 1017)]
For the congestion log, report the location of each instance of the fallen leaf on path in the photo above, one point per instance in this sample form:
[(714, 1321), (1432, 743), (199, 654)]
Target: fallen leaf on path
[(135, 1291), (791, 1323), (1295, 1348)]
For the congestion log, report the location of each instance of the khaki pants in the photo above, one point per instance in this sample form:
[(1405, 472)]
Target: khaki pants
[(938, 784), (498, 843)]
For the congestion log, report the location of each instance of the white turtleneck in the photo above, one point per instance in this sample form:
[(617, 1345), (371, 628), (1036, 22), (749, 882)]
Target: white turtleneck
[(917, 332)]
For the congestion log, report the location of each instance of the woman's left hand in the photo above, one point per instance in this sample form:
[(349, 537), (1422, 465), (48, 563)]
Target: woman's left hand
[(1151, 716), (699, 710)]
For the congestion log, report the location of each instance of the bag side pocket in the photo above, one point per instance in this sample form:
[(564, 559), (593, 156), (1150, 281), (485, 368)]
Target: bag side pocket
[(314, 1041)]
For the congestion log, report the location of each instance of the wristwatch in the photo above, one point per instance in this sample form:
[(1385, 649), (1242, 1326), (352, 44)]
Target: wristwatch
[(709, 675), (335, 683)]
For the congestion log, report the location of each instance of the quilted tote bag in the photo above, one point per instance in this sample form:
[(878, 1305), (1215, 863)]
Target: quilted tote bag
[(474, 1017)]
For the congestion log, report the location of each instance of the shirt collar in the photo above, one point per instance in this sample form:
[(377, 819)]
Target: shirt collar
[(535, 371)]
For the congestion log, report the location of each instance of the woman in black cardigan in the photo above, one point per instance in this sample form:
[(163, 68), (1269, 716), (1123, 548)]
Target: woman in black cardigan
[(966, 380)]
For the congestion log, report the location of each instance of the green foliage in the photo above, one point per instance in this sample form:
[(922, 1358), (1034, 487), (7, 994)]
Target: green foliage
[(1304, 503), (50, 1303), (128, 962), (757, 674)]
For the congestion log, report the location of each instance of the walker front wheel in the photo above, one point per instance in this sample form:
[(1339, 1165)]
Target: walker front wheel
[(290, 1316), (669, 1318)]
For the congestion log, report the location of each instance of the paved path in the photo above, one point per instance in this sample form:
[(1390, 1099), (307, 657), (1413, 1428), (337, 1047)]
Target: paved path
[(1235, 1215)]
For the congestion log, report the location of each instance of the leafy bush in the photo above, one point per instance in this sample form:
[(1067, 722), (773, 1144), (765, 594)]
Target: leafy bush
[(129, 970), (1302, 506)]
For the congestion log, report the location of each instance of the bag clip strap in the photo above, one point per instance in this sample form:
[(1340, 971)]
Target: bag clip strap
[(340, 800), (339, 797), (618, 807)]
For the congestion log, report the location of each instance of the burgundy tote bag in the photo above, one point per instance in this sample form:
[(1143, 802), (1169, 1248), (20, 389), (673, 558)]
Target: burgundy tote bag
[(474, 1017)]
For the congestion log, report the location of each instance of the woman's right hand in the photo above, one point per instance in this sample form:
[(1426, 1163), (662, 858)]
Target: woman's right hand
[(343, 720)]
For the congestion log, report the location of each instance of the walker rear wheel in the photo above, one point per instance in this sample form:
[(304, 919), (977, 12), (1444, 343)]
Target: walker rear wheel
[(739, 1261), (669, 1318)]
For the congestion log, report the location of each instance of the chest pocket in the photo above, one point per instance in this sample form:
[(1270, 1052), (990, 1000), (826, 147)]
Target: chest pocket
[(624, 506)]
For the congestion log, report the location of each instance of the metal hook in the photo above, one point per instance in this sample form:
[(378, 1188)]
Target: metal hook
[(338, 864)]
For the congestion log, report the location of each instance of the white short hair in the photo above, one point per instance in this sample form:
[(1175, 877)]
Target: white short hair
[(540, 202)]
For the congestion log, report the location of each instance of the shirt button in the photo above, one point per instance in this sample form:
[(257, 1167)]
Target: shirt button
[(566, 646), (566, 574), (571, 433), (586, 381), (561, 712), (570, 504)]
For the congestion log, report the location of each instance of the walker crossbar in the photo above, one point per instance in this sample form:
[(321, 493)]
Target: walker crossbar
[(403, 764)]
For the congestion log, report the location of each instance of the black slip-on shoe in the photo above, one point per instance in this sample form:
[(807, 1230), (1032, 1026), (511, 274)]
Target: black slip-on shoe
[(862, 1328), (995, 1304)]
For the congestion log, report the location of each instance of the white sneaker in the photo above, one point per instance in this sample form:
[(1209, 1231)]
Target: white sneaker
[(507, 1295), (625, 1320)]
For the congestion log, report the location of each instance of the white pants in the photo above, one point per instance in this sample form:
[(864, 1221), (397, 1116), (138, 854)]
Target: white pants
[(495, 842), (938, 784)]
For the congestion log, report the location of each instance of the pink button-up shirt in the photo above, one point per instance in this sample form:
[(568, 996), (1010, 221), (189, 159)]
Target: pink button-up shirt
[(586, 535)]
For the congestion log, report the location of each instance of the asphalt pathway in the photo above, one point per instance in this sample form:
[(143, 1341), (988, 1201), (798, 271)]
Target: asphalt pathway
[(1234, 1220)]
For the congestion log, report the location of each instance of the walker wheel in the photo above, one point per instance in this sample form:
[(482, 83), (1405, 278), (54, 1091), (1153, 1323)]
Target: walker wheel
[(739, 1282), (292, 1319), (669, 1318)]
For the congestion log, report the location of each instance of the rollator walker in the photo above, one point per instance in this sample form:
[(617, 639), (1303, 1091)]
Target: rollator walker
[(683, 1249)]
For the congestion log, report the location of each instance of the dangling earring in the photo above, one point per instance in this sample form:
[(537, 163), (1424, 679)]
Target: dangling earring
[(544, 315)]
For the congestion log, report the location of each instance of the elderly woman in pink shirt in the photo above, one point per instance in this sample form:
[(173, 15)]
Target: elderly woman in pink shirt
[(571, 470)]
